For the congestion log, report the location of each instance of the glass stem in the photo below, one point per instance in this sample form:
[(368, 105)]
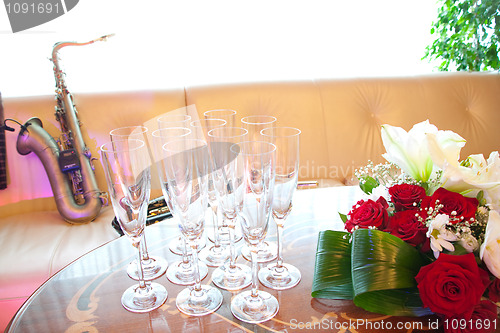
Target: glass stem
[(279, 224), (197, 281), (140, 272), (232, 249), (144, 248), (253, 253), (185, 256), (215, 220)]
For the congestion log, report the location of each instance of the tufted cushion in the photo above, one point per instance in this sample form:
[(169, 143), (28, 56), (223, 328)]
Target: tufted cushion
[(355, 109)]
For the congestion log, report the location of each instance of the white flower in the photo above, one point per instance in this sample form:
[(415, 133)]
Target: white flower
[(410, 151), (380, 191), (490, 249), (439, 236), (469, 242), (477, 174)]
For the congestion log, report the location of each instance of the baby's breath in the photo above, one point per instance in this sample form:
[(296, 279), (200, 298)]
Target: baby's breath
[(386, 174)]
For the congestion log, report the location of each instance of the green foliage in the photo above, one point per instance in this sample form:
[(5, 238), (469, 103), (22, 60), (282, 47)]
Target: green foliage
[(467, 35), (373, 268), (343, 217), (367, 184)]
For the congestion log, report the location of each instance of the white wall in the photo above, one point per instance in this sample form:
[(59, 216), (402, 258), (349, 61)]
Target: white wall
[(164, 44)]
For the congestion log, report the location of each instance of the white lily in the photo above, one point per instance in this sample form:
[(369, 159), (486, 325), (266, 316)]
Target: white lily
[(410, 150), (478, 174), (490, 249)]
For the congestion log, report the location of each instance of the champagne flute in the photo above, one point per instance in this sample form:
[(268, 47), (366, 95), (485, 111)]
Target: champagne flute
[(228, 182), (153, 266), (172, 120), (256, 158), (267, 250), (182, 271), (186, 167), (280, 275), (256, 123), (217, 254), (229, 116), (127, 167)]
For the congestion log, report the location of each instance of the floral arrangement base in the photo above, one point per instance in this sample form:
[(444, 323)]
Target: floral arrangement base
[(373, 268)]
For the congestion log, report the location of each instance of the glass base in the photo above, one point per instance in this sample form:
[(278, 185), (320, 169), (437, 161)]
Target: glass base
[(135, 301), (268, 251), (199, 303), (152, 268), (176, 246), (214, 256), (254, 309), (183, 274), (279, 278), (236, 278)]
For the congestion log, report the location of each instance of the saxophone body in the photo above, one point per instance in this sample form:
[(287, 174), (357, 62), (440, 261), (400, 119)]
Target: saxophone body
[(67, 161)]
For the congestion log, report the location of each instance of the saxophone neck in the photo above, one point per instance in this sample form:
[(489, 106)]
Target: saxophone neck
[(59, 74), (60, 45)]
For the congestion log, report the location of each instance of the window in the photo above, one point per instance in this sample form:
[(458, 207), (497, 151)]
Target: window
[(160, 44)]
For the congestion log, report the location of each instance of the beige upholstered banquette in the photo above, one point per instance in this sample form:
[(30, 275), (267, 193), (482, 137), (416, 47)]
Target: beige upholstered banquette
[(340, 121)]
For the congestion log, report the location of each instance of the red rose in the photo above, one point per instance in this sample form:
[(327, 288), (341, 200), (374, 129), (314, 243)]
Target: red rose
[(451, 285), (408, 227), (406, 196), (483, 320), (367, 214), (494, 291), (452, 202)]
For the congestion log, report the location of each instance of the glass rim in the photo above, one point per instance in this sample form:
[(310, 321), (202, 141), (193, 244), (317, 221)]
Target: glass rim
[(228, 112), (156, 135), (296, 131), (144, 128), (245, 132), (247, 119), (240, 151), (207, 119), (106, 149)]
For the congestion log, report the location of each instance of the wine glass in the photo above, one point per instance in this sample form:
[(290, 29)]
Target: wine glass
[(228, 182), (279, 275), (153, 266), (256, 158), (217, 254), (186, 167), (127, 167), (254, 125), (182, 271)]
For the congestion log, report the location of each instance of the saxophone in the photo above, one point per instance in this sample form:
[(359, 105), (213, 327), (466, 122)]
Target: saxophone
[(67, 161)]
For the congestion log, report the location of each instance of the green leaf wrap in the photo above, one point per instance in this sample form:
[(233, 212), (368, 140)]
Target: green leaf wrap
[(332, 271), (379, 267)]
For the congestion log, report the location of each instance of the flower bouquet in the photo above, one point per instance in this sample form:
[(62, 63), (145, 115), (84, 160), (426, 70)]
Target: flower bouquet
[(425, 238)]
